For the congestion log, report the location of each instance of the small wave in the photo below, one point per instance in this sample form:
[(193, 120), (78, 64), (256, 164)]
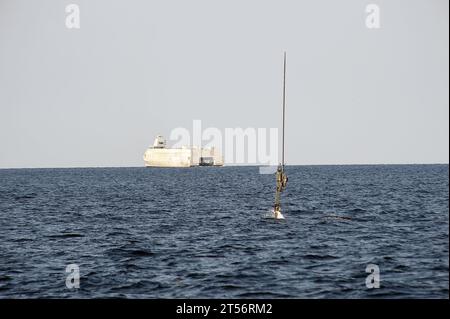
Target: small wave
[(195, 275), (19, 240), (141, 253), (68, 235), (127, 252), (320, 257), (339, 218), (266, 294), (358, 210), (230, 287), (400, 268), (5, 278), (27, 196)]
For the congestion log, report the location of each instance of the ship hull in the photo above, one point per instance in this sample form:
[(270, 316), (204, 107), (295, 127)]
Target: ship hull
[(177, 158), (168, 158)]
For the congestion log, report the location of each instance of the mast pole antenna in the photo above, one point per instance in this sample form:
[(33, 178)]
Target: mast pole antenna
[(284, 109), (281, 177)]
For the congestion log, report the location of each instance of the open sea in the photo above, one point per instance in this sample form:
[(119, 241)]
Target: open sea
[(200, 232)]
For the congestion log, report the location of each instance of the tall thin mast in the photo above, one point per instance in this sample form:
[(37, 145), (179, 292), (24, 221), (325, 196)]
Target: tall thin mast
[(284, 109), (281, 177)]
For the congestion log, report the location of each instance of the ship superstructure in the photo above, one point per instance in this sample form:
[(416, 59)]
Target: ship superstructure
[(159, 155)]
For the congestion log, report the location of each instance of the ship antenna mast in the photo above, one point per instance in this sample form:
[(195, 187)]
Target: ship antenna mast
[(281, 177), (284, 108)]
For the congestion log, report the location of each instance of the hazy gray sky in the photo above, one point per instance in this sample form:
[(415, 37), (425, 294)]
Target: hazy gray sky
[(98, 95)]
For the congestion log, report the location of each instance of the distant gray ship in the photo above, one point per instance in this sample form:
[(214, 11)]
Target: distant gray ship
[(159, 155)]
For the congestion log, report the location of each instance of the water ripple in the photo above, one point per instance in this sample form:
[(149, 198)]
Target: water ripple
[(199, 232)]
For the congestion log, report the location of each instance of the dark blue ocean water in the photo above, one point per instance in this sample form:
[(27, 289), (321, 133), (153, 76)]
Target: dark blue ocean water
[(199, 232)]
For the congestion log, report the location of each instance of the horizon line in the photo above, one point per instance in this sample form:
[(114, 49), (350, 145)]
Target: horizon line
[(230, 165)]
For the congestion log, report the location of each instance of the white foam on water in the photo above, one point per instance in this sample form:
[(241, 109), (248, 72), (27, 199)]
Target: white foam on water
[(272, 215)]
